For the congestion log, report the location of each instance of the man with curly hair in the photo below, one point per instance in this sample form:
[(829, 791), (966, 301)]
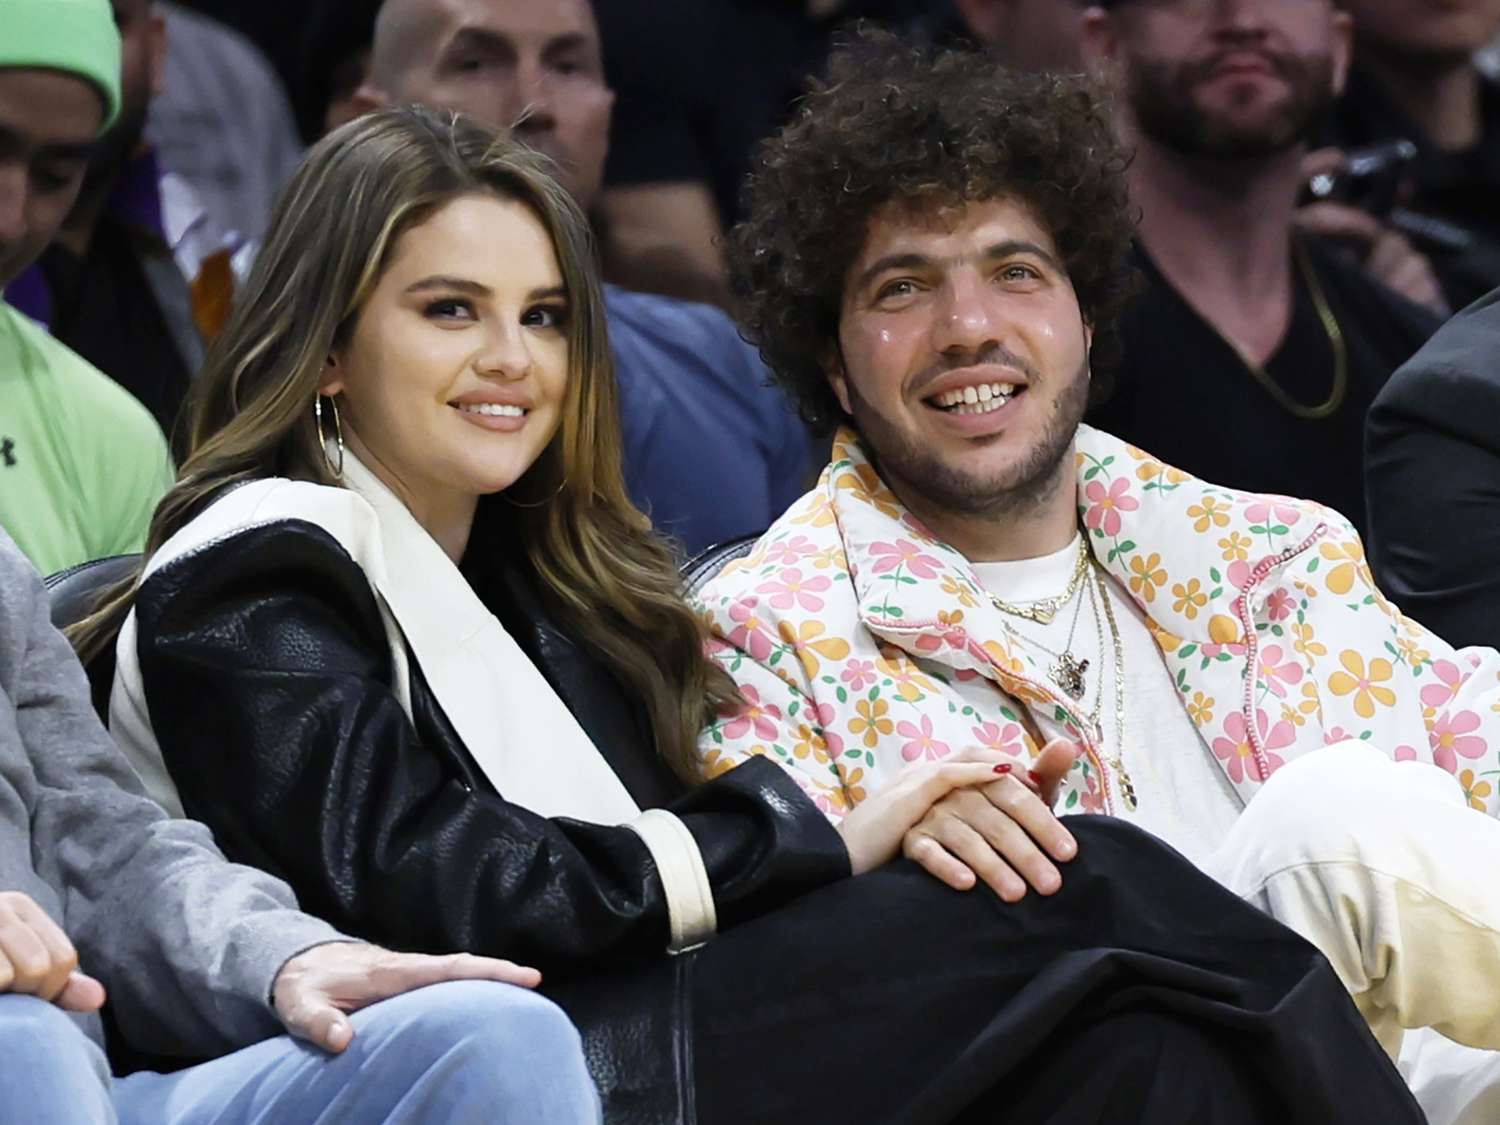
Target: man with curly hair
[(934, 258)]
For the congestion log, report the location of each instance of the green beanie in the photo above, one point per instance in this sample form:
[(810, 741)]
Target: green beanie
[(76, 36)]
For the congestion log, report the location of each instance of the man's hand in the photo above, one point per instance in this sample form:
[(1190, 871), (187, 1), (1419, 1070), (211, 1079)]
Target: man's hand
[(1003, 832), (315, 989), (1387, 254), (37, 959)]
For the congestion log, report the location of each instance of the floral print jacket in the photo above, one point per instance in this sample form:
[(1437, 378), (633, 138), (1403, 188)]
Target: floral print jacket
[(861, 642)]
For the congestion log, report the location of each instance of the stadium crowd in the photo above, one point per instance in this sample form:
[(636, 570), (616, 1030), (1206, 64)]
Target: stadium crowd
[(710, 561)]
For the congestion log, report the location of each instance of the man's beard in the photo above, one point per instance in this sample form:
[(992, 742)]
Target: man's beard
[(1161, 98), (912, 471)]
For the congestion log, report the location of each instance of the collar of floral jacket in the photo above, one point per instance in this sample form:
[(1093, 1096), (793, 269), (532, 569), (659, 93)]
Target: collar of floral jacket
[(1192, 555)]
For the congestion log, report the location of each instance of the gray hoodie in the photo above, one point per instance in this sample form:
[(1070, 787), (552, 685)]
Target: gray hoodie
[(186, 943)]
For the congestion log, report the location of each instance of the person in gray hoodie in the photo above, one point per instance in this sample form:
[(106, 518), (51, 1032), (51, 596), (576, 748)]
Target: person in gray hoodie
[(199, 957)]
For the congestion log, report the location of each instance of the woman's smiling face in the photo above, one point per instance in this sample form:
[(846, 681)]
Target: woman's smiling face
[(453, 380)]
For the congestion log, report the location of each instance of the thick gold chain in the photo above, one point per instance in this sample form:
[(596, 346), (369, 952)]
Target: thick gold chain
[(1043, 610), (1335, 339)]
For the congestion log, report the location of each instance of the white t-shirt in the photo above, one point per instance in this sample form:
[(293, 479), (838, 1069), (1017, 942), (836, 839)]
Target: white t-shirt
[(1182, 794)]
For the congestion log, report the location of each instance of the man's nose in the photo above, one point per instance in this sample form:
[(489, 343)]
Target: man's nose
[(535, 112), (968, 319), (13, 184)]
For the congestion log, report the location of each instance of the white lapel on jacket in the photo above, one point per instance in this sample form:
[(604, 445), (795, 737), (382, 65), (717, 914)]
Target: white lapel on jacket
[(519, 732)]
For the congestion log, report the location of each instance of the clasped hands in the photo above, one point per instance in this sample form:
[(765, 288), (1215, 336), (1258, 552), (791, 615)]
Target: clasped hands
[(970, 818), (312, 994)]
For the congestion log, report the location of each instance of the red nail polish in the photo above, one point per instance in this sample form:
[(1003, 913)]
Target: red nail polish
[(1035, 777), (1004, 767)]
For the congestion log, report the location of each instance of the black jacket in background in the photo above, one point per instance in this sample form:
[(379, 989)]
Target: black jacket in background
[(1433, 477)]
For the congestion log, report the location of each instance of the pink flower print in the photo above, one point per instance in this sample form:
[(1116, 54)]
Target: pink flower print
[(1263, 510), (1237, 753), (1277, 671), (1009, 739), (789, 552), (749, 635), (792, 589), (922, 742), (1273, 737), (826, 715), (1280, 605), (1334, 735), (1108, 503), (1405, 754), (903, 552), (1452, 736), (858, 674), (753, 713), (1450, 679), (1239, 574)]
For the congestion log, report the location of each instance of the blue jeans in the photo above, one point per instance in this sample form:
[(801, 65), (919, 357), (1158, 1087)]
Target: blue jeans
[(466, 1051)]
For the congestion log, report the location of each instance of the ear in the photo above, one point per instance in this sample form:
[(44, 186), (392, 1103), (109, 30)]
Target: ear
[(1098, 40), (156, 54), (331, 380), (368, 98), (1343, 48), (838, 378), (985, 20)]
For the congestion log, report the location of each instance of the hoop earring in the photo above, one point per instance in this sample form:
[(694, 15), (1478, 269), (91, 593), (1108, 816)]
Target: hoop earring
[(536, 503), (338, 432)]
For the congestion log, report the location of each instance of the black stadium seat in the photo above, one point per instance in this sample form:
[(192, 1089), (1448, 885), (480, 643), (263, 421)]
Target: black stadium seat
[(74, 592), (707, 563)]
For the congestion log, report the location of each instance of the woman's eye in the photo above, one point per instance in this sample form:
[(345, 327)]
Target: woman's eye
[(450, 309), (545, 316)]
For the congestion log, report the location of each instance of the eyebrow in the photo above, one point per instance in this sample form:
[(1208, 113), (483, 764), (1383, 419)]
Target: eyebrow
[(481, 38), (908, 260), (14, 141), (475, 289)]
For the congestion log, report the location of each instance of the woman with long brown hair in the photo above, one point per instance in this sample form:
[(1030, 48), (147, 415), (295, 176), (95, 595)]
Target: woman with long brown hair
[(401, 639)]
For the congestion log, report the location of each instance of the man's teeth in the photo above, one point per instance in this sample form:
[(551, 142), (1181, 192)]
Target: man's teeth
[(498, 409), (975, 400)]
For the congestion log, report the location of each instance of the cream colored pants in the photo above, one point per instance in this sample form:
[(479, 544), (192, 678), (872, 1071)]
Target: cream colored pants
[(1384, 867)]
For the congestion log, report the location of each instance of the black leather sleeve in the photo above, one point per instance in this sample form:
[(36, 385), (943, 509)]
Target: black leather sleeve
[(267, 678), (1432, 476)]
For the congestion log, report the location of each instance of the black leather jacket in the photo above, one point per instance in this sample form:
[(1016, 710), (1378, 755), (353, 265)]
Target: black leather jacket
[(267, 675)]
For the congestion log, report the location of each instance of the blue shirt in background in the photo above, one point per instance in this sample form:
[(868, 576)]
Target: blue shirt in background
[(712, 452)]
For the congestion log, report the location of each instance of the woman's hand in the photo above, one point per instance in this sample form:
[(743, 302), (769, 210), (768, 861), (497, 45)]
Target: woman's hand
[(1003, 831), (874, 830)]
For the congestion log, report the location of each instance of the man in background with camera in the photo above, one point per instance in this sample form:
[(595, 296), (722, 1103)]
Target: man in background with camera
[(1256, 349)]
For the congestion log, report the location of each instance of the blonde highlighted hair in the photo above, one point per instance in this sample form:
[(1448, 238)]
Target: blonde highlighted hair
[(612, 583)]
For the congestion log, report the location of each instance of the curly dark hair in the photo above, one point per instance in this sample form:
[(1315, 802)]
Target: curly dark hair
[(894, 121)]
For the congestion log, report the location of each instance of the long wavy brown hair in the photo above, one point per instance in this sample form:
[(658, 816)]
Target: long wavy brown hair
[(603, 572)]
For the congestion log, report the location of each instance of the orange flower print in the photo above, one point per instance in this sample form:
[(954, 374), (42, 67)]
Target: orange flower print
[(864, 484), (1190, 598), (1146, 575), (870, 722), (911, 685), (1236, 547), (1207, 513), (1363, 683), (1303, 642), (810, 743), (808, 642), (1475, 791), (960, 590), (715, 764), (1415, 654), (1201, 709), (1153, 470), (1349, 560), (851, 779)]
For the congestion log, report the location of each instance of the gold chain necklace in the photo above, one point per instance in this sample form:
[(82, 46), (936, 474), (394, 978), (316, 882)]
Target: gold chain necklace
[(1116, 760), (1043, 610), (1066, 670), (1335, 339)]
